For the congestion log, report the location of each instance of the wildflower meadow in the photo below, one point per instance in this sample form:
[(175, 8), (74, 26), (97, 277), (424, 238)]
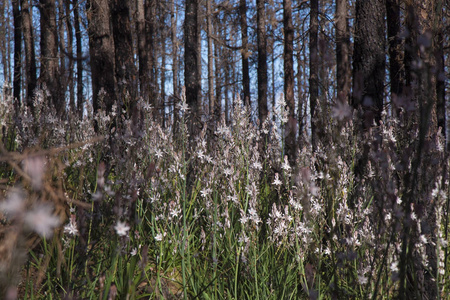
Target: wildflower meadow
[(115, 206)]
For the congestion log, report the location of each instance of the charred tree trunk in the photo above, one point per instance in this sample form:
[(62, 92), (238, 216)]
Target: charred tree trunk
[(369, 60), (141, 33), (192, 57), (17, 79), (123, 50), (79, 52), (49, 55), (30, 56), (101, 48), (314, 69), (396, 68), (343, 74), (245, 52), (291, 128), (210, 58), (262, 60)]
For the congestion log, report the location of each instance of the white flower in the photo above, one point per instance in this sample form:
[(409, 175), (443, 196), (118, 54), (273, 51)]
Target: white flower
[(41, 220), (121, 228), (341, 111), (159, 237), (35, 167), (71, 228), (14, 203), (277, 180), (286, 165)]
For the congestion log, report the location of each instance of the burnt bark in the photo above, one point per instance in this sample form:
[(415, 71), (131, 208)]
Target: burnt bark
[(262, 60), (101, 49), (244, 51), (369, 60), (30, 56)]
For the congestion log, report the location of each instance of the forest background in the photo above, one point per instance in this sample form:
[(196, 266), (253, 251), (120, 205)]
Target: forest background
[(224, 149)]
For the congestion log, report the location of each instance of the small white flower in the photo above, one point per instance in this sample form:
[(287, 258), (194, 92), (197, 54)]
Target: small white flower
[(277, 180), (71, 228), (121, 228), (14, 203), (133, 252), (159, 237), (41, 220), (286, 165)]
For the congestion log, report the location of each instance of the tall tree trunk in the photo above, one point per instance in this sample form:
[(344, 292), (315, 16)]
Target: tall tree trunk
[(79, 52), (369, 60), (71, 60), (49, 54), (173, 36), (342, 51), (314, 69), (101, 48), (163, 64), (440, 78), (17, 80), (123, 50), (291, 126), (192, 57), (396, 68), (245, 52), (150, 15), (30, 56), (210, 58), (262, 60), (141, 33)]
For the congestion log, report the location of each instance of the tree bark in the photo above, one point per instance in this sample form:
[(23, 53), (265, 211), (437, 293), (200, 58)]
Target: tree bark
[(343, 74), (30, 56), (210, 58), (262, 60), (17, 80), (192, 57), (291, 128), (79, 52), (369, 60), (123, 50), (314, 69), (101, 49), (49, 55), (245, 52), (396, 67)]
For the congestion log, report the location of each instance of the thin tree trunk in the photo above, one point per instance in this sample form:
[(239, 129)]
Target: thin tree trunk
[(17, 80), (210, 58), (70, 82), (142, 50), (262, 60), (30, 56), (342, 51), (291, 126), (49, 55), (245, 52), (314, 69), (396, 67), (79, 52), (192, 57)]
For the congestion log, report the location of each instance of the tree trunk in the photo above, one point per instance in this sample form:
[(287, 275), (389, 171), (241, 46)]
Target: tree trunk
[(150, 14), (71, 60), (343, 75), (369, 60), (141, 33), (245, 52), (314, 69), (210, 58), (79, 51), (396, 67), (30, 56), (192, 57), (49, 55), (101, 48), (17, 80), (291, 128), (262, 60), (123, 50)]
